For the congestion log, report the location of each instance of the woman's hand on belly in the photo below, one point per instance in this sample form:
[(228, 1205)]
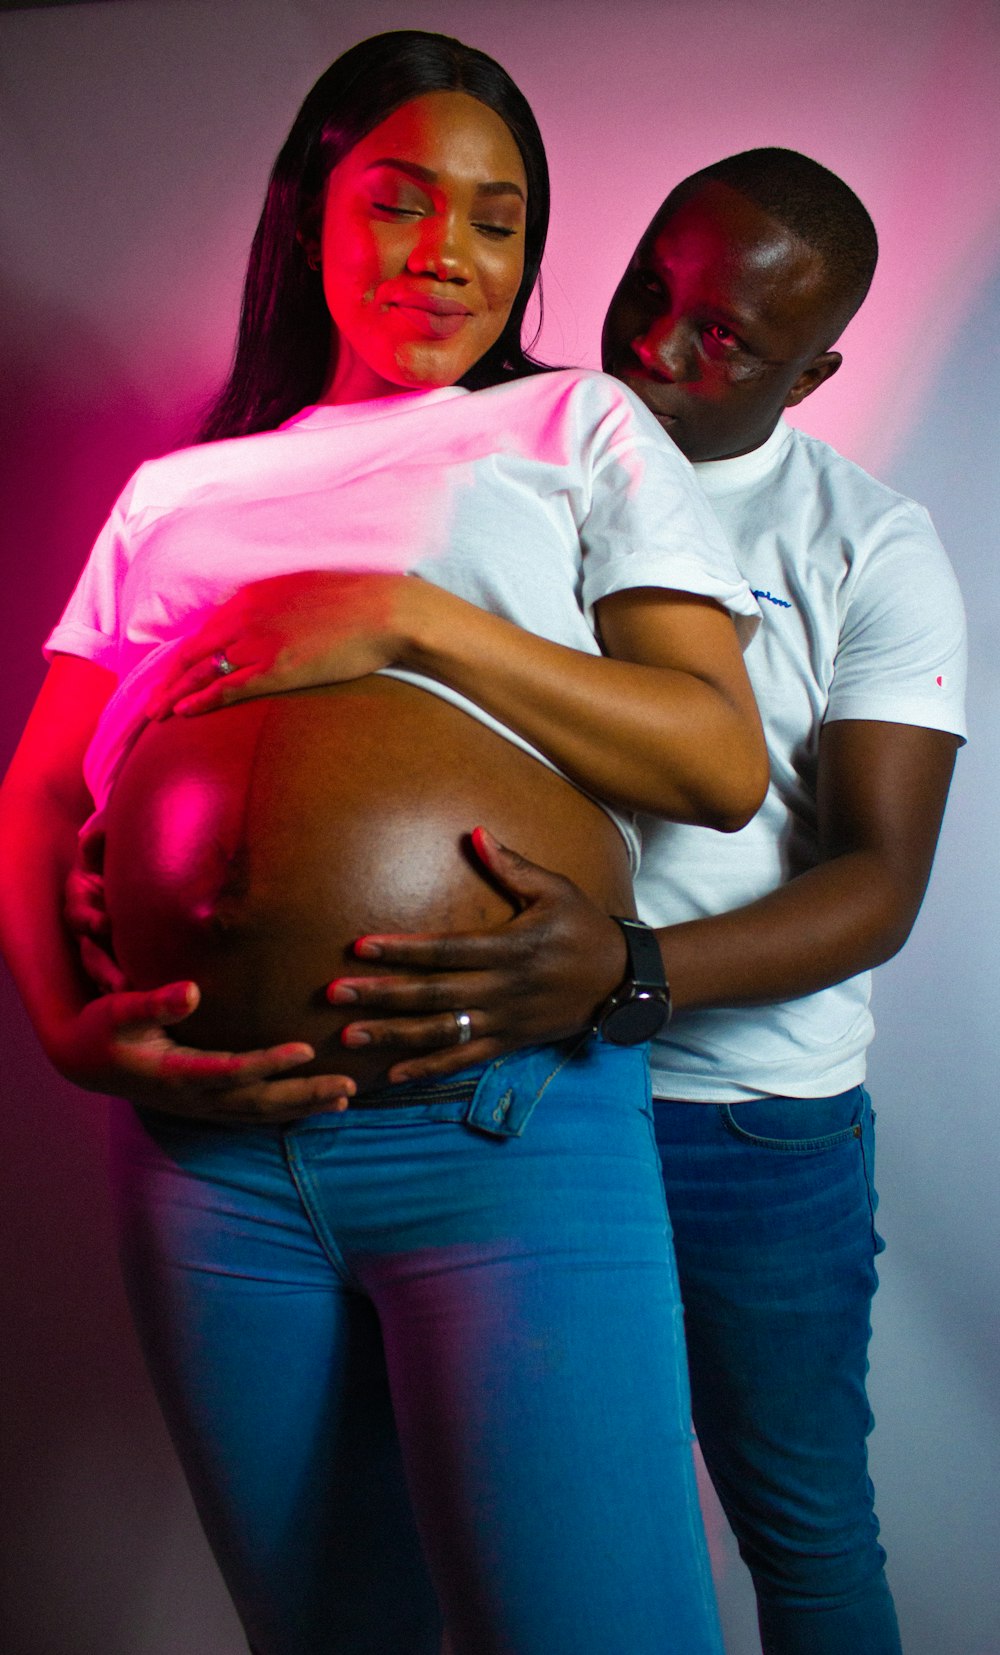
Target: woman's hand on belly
[(119, 1044), (539, 977), (289, 632)]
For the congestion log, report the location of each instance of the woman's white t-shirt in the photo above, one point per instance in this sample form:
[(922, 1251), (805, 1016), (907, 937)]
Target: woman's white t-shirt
[(534, 500)]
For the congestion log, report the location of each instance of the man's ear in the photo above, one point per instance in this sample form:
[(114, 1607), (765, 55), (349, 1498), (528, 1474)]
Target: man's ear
[(810, 379)]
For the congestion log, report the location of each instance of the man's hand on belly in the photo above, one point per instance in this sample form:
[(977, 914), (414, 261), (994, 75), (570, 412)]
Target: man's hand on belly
[(539, 977)]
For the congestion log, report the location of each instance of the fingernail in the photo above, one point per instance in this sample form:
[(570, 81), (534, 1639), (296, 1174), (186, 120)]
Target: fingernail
[(367, 949), (341, 994), (352, 1036)]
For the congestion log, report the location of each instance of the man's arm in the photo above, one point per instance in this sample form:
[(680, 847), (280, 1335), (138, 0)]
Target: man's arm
[(881, 793), (882, 790)]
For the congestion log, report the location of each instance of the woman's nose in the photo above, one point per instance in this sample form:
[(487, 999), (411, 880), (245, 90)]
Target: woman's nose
[(441, 251)]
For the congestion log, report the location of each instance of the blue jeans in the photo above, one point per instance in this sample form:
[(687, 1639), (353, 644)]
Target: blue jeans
[(465, 1308), (773, 1209)]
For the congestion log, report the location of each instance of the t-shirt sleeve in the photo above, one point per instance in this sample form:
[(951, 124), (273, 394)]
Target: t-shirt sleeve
[(89, 625), (902, 652), (648, 523)]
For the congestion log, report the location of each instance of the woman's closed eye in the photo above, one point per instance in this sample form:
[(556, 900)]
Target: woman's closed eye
[(410, 214), (501, 231), (395, 211)]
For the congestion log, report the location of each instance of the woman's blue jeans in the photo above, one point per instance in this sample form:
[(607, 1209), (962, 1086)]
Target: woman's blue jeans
[(773, 1209), (463, 1308)]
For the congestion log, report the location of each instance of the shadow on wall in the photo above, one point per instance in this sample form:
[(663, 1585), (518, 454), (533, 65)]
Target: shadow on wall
[(949, 460), (939, 1002), (74, 425), (96, 1530), (934, 1081)]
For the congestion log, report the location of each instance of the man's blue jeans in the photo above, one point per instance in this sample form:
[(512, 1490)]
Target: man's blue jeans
[(773, 1209), (465, 1307)]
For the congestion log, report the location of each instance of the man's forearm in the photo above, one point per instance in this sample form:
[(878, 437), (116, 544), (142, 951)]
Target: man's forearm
[(823, 926)]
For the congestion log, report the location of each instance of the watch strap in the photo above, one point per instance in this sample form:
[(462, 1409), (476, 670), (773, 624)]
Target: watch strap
[(644, 962)]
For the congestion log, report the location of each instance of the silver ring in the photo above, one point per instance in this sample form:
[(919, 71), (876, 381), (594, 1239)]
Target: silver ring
[(463, 1022), (222, 664)]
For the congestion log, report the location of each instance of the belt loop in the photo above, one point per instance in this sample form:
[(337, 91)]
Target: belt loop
[(509, 1090)]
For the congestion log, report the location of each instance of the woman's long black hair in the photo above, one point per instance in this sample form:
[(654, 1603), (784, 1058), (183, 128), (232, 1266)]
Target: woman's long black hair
[(284, 338)]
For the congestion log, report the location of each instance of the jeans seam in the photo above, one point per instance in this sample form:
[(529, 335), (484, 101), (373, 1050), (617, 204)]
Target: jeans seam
[(868, 1162), (792, 1146), (300, 1178), (818, 1143)]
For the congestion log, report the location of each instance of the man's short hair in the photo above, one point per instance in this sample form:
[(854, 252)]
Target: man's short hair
[(811, 202)]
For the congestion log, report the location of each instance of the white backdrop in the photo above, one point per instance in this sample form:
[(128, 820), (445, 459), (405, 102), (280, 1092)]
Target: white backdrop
[(138, 135)]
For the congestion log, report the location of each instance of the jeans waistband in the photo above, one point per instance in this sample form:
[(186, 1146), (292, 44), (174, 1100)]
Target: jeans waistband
[(499, 1098), (419, 1092)]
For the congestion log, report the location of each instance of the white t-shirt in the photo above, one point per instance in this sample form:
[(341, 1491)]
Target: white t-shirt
[(534, 500), (862, 618)]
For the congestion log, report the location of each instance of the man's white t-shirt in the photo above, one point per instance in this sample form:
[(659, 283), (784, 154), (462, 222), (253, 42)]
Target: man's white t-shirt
[(862, 619), (534, 500)]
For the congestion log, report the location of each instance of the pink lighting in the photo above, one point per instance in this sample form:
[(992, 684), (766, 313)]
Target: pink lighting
[(137, 142)]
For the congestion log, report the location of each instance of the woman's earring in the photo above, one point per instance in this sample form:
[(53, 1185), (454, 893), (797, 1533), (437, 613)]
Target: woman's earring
[(312, 257)]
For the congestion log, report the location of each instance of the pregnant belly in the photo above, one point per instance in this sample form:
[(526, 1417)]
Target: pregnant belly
[(246, 850)]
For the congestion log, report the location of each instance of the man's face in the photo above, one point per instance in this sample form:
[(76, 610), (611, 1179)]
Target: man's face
[(720, 321)]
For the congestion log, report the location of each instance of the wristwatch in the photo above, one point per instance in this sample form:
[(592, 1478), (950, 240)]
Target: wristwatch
[(640, 1008)]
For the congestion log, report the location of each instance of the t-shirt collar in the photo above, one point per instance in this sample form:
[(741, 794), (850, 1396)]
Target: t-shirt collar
[(722, 476), (352, 413)]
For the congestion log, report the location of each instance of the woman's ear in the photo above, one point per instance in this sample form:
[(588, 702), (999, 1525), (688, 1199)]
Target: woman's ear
[(308, 237)]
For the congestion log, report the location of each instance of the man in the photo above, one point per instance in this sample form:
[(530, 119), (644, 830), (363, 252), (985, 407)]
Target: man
[(726, 316)]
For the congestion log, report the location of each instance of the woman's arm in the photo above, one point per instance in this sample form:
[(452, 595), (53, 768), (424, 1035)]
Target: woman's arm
[(668, 724), (115, 1043), (43, 802)]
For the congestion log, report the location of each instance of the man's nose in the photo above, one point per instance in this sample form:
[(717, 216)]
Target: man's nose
[(663, 350)]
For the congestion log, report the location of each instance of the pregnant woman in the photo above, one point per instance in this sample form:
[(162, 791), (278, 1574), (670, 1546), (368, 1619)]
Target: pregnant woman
[(425, 1338)]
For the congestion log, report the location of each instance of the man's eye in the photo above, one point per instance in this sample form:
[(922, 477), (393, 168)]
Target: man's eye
[(722, 336)]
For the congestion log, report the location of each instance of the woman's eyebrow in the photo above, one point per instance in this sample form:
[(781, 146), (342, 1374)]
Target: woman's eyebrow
[(426, 175)]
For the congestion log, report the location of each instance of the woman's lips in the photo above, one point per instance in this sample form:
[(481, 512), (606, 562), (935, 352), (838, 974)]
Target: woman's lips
[(435, 318)]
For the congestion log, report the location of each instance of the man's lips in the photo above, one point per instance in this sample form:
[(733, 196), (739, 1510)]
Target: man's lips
[(655, 393)]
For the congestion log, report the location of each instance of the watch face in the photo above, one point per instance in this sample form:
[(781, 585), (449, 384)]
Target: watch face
[(635, 1020)]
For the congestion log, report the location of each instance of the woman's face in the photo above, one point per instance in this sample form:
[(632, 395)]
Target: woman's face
[(421, 247)]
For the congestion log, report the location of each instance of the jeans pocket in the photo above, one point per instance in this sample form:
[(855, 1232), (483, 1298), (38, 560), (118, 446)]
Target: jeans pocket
[(798, 1126)]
